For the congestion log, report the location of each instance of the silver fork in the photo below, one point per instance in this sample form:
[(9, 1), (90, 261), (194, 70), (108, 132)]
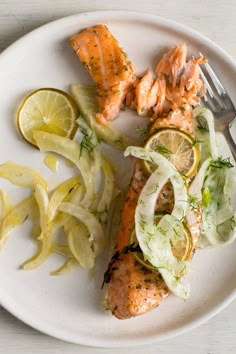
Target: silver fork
[(219, 102)]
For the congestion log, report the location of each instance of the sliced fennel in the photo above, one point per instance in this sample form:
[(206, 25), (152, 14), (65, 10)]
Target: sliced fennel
[(70, 150), (218, 215), (21, 176), (90, 142), (205, 132), (154, 239), (81, 246), (41, 197), (27, 208), (90, 221), (67, 266), (5, 206), (213, 185), (85, 97), (108, 192), (49, 223), (61, 192), (61, 249)]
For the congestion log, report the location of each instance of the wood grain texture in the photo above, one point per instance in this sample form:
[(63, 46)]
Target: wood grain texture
[(215, 19)]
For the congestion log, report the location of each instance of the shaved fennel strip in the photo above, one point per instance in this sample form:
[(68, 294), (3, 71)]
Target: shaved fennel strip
[(41, 197), (60, 193), (217, 214), (70, 150), (21, 176), (154, 240), (206, 114), (108, 191), (80, 246), (16, 216), (85, 97), (5, 205), (90, 221)]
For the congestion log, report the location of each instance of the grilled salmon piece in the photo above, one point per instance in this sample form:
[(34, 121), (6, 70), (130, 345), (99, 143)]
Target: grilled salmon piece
[(133, 289), (109, 67)]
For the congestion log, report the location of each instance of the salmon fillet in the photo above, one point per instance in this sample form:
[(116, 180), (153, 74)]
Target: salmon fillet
[(109, 67), (132, 288)]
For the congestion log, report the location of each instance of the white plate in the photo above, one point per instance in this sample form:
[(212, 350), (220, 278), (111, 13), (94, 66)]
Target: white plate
[(68, 307)]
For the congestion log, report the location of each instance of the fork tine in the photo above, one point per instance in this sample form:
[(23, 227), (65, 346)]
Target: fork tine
[(218, 85), (209, 89), (209, 100), (206, 103), (215, 89)]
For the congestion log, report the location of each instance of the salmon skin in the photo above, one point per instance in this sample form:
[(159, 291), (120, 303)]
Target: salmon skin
[(132, 288), (109, 67)]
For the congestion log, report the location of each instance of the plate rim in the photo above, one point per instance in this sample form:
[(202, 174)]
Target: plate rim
[(29, 320)]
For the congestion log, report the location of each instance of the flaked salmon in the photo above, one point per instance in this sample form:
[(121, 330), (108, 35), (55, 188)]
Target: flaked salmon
[(109, 67), (177, 83)]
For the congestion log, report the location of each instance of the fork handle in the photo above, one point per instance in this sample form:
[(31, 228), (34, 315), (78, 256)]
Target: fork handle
[(230, 142)]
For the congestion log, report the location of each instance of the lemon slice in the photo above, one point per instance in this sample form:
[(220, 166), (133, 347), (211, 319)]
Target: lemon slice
[(181, 246), (178, 147), (49, 110)]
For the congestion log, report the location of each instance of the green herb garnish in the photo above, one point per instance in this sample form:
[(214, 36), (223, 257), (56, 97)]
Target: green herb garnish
[(193, 202), (163, 150), (89, 141), (221, 163)]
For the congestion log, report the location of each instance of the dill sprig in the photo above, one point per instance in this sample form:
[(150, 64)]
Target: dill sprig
[(143, 132), (163, 150), (142, 222), (196, 142), (89, 141), (221, 163), (193, 201)]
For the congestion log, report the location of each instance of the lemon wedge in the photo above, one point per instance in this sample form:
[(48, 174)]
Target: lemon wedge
[(178, 147), (49, 110)]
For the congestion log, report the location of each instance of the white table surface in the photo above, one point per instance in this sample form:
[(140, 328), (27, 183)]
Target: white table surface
[(215, 19)]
